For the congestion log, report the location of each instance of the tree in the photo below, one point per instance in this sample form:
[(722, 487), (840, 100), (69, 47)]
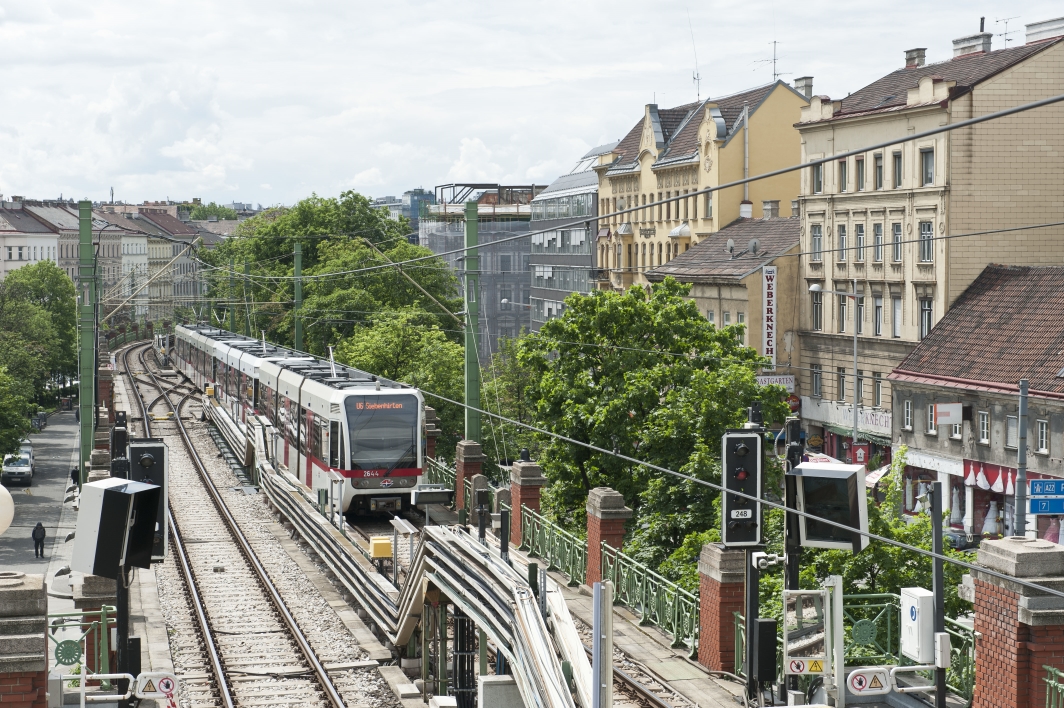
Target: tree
[(14, 414), (47, 286), (407, 346), (504, 391), (643, 374), (203, 212)]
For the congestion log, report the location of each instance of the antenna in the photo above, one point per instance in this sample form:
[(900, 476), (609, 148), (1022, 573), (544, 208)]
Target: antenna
[(1006, 33), (775, 74), (695, 76)]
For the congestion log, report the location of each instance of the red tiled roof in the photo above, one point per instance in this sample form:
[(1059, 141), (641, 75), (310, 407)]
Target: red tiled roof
[(1008, 325), (168, 223), (708, 260)]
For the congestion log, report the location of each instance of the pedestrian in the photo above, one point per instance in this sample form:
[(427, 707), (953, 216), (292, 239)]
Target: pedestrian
[(77, 415), (74, 476), (38, 540)]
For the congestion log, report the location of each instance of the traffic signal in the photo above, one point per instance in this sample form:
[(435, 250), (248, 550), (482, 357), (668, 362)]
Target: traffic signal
[(742, 459), (149, 462)]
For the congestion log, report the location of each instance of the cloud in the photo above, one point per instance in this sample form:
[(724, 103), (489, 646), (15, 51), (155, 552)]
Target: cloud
[(474, 163), (367, 178)]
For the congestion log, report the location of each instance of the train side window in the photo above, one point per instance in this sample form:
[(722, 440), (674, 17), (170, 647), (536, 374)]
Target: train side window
[(302, 430), (334, 444)]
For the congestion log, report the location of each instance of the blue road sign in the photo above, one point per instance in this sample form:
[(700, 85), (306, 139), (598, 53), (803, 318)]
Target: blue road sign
[(1046, 488), (1047, 506)]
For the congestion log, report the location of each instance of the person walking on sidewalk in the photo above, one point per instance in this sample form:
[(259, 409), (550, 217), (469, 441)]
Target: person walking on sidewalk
[(74, 476), (38, 540)]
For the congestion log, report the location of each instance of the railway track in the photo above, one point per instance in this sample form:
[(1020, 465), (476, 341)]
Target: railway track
[(238, 644)]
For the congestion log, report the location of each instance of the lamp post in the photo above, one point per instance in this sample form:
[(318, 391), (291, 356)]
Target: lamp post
[(815, 288)]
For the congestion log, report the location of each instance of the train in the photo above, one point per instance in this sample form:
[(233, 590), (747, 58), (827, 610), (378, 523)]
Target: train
[(334, 425)]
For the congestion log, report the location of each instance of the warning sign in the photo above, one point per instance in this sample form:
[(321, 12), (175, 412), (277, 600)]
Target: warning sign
[(796, 667), (816, 667), (149, 687), (869, 681), (156, 684), (805, 666)]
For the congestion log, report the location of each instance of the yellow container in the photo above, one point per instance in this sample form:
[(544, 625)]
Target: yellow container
[(209, 391), (380, 547)]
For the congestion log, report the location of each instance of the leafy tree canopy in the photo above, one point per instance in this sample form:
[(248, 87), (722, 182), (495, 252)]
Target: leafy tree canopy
[(205, 211), (47, 286)]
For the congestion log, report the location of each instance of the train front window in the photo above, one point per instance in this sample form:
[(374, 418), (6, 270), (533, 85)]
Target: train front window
[(384, 432)]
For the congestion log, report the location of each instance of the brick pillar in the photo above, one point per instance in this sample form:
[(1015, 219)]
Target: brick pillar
[(1022, 629), (23, 645), (432, 431), (468, 461), (91, 592), (722, 584), (606, 514), (107, 397), (526, 481)]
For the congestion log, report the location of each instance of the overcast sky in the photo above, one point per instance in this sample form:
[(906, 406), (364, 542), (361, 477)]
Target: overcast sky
[(269, 101)]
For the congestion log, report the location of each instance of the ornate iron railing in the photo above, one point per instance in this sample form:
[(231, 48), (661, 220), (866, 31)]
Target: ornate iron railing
[(438, 473), (562, 550), (658, 600), (1054, 687), (960, 678)]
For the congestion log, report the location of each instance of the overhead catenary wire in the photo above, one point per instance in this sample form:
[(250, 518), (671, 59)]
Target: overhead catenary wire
[(735, 183)]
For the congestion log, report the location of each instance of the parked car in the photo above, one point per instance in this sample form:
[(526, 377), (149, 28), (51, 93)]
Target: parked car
[(17, 468), (26, 448)]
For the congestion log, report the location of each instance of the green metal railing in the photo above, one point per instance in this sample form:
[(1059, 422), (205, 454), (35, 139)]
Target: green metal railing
[(70, 652), (740, 649), (562, 550), (872, 623), (658, 600), (438, 473), (1054, 687)]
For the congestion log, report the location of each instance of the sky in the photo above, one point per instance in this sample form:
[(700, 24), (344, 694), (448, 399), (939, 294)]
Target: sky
[(268, 102)]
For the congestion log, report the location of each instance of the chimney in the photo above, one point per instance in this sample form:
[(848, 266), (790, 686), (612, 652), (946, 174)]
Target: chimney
[(804, 86), (746, 209), (770, 209), (795, 210), (1046, 29), (915, 57), (972, 44)]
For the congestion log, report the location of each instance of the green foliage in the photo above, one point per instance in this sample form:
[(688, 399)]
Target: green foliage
[(205, 211), (46, 286), (644, 374), (14, 414), (504, 390), (407, 346)]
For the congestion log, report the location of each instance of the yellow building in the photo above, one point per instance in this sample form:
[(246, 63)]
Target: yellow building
[(673, 152)]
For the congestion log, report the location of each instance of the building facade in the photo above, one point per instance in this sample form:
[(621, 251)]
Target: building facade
[(24, 239), (673, 152), (63, 218), (877, 223), (502, 212), (963, 361), (562, 260)]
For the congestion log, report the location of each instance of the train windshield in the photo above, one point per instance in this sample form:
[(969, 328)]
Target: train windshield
[(384, 432)]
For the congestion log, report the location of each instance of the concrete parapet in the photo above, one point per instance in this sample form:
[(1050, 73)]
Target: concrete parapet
[(23, 643)]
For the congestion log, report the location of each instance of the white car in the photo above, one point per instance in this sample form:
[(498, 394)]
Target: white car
[(26, 448), (17, 468)]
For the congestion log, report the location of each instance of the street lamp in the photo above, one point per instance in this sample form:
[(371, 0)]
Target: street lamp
[(815, 288)]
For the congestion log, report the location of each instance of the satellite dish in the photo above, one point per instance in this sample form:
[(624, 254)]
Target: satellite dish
[(755, 245), (730, 248)]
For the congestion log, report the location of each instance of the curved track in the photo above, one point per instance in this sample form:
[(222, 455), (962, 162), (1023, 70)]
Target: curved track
[(255, 652)]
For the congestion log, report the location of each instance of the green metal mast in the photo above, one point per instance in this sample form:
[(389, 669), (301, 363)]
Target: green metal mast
[(298, 272), (87, 336), (472, 321)]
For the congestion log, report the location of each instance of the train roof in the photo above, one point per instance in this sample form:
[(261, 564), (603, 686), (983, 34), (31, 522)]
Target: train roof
[(307, 365)]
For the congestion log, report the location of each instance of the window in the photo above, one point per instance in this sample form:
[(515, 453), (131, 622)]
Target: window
[(896, 241), (740, 319), (840, 375), (895, 324), (1012, 431), (818, 380), (927, 167), (505, 263), (931, 429), (877, 389), (842, 242), (842, 175), (1042, 437), (907, 415), (955, 431), (859, 175), (877, 243), (984, 427), (818, 311), (860, 315), (727, 319), (897, 170), (879, 172), (842, 313), (927, 233), (818, 179), (925, 316), (877, 317), (858, 236), (10, 249), (710, 316), (858, 390), (816, 232), (709, 205)]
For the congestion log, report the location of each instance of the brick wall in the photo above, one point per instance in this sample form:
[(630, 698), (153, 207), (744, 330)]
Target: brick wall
[(526, 483), (1001, 653), (718, 603), (24, 689), (606, 516), (468, 462)]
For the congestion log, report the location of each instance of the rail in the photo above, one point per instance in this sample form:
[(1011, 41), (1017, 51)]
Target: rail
[(658, 600), (563, 551), (1054, 680)]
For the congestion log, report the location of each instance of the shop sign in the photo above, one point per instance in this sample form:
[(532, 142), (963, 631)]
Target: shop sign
[(768, 320), (948, 414), (787, 381), (859, 453), (870, 420)]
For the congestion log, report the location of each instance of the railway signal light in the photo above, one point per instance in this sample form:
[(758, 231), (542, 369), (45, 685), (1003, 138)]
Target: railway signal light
[(742, 460)]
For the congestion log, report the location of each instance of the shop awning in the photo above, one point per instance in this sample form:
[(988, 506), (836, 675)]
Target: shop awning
[(624, 229), (603, 233), (680, 231), (872, 477), (861, 434)]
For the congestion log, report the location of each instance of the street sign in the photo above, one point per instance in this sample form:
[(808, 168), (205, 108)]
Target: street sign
[(869, 681), (1046, 488), (1043, 505)]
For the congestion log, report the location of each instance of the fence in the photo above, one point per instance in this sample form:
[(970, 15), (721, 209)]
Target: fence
[(872, 624), (658, 600), (1054, 687), (563, 551)]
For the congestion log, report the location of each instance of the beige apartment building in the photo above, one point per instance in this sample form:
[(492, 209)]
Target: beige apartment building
[(881, 220), (676, 151)]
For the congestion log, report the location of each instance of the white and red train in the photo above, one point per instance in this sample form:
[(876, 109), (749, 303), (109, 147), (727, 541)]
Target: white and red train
[(333, 422)]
